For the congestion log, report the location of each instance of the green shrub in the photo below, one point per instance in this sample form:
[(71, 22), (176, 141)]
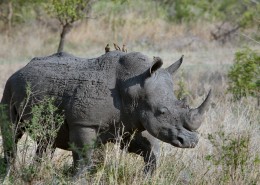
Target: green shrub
[(43, 127), (68, 11), (244, 75), (182, 91), (243, 13), (231, 156), (45, 122)]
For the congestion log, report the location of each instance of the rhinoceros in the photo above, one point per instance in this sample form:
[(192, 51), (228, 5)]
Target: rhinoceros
[(97, 96)]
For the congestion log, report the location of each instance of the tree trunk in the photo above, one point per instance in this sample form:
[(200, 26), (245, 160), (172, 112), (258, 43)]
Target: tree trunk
[(65, 29), (9, 17)]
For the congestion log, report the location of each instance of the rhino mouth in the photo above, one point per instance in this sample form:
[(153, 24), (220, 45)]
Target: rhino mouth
[(179, 143), (176, 143)]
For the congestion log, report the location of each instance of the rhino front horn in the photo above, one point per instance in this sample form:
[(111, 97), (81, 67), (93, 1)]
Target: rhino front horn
[(205, 105), (196, 115)]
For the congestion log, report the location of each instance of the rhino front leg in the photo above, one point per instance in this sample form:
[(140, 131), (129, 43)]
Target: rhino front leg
[(148, 147), (82, 142)]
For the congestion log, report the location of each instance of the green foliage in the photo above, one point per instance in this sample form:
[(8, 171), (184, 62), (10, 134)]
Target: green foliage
[(179, 10), (182, 90), (45, 122), (243, 13), (43, 127), (28, 173), (19, 11), (68, 11), (231, 155), (125, 9), (22, 11), (244, 75)]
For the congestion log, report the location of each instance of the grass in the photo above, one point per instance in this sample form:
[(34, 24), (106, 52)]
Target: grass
[(205, 67)]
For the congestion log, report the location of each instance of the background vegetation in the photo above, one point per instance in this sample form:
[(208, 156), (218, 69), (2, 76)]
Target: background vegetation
[(220, 42)]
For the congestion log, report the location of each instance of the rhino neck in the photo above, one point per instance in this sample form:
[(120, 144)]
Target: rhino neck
[(131, 74), (129, 112)]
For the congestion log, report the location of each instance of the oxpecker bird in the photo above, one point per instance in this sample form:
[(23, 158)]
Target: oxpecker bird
[(124, 49), (117, 47), (107, 48)]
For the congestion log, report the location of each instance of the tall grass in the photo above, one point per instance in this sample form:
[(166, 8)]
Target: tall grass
[(228, 153)]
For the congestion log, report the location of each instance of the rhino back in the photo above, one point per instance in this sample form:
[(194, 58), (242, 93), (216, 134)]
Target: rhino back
[(80, 86)]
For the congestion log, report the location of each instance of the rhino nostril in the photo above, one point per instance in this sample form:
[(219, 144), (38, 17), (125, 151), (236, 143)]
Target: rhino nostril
[(180, 140)]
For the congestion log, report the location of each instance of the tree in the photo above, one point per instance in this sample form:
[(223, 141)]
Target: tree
[(6, 14), (17, 11), (233, 16), (68, 12)]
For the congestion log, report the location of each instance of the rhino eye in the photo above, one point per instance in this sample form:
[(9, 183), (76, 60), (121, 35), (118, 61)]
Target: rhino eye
[(162, 110)]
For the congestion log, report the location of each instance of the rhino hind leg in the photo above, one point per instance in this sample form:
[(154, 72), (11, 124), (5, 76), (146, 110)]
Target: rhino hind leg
[(147, 146), (11, 131)]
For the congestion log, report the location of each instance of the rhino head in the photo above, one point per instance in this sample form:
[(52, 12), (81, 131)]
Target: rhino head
[(148, 101)]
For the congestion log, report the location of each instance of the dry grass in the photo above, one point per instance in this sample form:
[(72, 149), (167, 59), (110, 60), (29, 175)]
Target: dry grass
[(205, 65)]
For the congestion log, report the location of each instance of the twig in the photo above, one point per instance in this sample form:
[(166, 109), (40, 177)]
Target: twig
[(246, 36)]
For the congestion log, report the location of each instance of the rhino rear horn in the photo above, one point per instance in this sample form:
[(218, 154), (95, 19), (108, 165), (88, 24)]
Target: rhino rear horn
[(173, 68), (196, 115)]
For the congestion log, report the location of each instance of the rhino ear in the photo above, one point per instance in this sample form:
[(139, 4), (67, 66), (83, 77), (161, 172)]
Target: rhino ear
[(156, 65), (173, 68)]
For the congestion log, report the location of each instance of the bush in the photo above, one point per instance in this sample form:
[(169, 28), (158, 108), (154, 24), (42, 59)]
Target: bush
[(45, 123), (244, 75), (232, 157), (43, 127), (182, 91)]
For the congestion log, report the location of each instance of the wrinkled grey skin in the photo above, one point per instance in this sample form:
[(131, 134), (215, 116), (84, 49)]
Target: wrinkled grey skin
[(99, 96)]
